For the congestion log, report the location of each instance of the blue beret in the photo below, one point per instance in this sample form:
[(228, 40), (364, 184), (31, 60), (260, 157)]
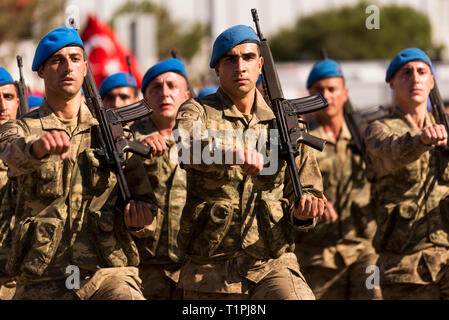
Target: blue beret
[(403, 57), (324, 69), (173, 64), (229, 38), (207, 90), (52, 42), (5, 77), (120, 79), (35, 101)]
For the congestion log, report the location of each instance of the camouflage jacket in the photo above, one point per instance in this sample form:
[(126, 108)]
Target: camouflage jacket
[(227, 212), (408, 181), (345, 187), (66, 209), (7, 196), (168, 182)]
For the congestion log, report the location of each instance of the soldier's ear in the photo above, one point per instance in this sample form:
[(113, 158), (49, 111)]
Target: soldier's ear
[(40, 71), (85, 69)]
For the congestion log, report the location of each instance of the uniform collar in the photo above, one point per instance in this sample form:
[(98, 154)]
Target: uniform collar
[(261, 110), (427, 122), (318, 129), (50, 121)]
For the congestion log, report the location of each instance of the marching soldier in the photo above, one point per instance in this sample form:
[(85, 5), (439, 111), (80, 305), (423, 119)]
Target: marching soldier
[(165, 88), (335, 255), (118, 90), (409, 173), (68, 219), (237, 225), (9, 103)]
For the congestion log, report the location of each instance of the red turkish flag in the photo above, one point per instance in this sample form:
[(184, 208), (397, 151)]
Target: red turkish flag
[(106, 53)]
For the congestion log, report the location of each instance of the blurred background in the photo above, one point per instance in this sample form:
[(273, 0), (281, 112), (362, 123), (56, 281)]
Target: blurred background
[(363, 35)]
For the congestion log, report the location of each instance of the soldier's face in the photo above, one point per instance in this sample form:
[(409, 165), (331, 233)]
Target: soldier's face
[(334, 91), (9, 102), (165, 94), (120, 97), (412, 84), (239, 69), (64, 72)]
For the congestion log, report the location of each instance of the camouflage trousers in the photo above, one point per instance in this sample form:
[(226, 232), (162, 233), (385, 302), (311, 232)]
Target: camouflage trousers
[(423, 275), (244, 278), (339, 272), (159, 281), (105, 284), (7, 288)]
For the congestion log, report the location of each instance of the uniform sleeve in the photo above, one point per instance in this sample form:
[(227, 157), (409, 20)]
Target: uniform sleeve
[(311, 182), (193, 141), (15, 148), (388, 152)]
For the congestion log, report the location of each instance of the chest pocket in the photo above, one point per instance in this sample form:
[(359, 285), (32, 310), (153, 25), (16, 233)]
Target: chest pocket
[(412, 172), (50, 175), (97, 176)]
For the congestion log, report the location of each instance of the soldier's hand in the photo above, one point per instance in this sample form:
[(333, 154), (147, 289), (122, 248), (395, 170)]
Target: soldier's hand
[(309, 207), (138, 214), (435, 135), (157, 142), (251, 161), (53, 142), (329, 213)]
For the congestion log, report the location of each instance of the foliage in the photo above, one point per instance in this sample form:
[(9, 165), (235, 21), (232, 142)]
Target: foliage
[(342, 32)]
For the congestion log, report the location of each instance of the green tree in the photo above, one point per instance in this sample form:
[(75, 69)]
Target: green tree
[(27, 19), (170, 34), (343, 33)]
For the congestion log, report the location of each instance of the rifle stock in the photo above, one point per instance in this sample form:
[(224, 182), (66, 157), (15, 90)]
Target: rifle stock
[(287, 112)]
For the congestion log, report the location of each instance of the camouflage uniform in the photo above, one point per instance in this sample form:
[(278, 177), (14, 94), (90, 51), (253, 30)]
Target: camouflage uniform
[(409, 180), (237, 230), (334, 256), (66, 215), (7, 190), (160, 256)]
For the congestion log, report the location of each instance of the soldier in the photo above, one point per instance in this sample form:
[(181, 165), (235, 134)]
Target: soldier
[(335, 255), (237, 227), (118, 90), (164, 87), (66, 218), (410, 176), (9, 103)]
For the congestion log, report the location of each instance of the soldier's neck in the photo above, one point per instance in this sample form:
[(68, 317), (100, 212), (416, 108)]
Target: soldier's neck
[(164, 126), (64, 107), (415, 114), (244, 103), (332, 126)]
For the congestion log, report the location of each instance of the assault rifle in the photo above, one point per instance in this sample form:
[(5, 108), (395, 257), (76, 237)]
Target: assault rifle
[(110, 134), (287, 113), (22, 91), (174, 54)]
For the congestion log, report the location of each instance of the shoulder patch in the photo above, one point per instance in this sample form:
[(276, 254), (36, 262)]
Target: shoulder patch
[(190, 115), (11, 131)]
